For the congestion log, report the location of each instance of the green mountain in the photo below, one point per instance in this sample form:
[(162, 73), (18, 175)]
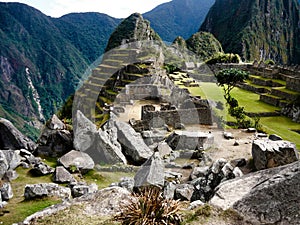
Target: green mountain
[(133, 28), (178, 18), (43, 59), (257, 29)]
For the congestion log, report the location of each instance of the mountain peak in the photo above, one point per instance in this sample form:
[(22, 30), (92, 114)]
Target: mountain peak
[(133, 28)]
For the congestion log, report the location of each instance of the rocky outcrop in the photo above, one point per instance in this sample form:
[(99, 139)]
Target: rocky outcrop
[(268, 153), (46, 190), (265, 197), (151, 172), (11, 138), (41, 169), (102, 144), (55, 139), (133, 145), (79, 160), (80, 189)]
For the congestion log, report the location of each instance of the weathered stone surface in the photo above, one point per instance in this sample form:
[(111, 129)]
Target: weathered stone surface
[(61, 175), (109, 148), (270, 196), (169, 190), (184, 192), (268, 154), (46, 189), (199, 172), (10, 175), (84, 132), (80, 160), (55, 124), (153, 136), (13, 158), (41, 169), (12, 138), (6, 191), (187, 140), (3, 164), (53, 141), (195, 204), (125, 182), (83, 189), (164, 149), (151, 172), (101, 145), (134, 147), (105, 202)]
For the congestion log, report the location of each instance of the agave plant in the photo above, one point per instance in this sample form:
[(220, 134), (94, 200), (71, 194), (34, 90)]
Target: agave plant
[(149, 207)]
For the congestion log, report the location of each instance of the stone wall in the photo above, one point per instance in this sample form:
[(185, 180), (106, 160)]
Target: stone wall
[(272, 100), (284, 95), (180, 116), (293, 83)]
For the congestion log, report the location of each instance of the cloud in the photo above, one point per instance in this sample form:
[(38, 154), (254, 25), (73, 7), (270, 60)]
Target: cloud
[(115, 8)]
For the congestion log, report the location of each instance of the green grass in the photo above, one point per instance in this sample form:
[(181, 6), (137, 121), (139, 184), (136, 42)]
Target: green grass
[(283, 127), (251, 101)]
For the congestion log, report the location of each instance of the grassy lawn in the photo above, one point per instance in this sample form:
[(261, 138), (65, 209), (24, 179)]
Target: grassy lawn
[(283, 127)]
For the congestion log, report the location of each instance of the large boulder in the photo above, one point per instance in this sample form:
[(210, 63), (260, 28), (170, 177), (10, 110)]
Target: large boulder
[(268, 154), (6, 191), (13, 158), (4, 165), (133, 145), (270, 196), (61, 175), (46, 190), (189, 140), (151, 172), (55, 139), (11, 138), (184, 192), (80, 160), (102, 144)]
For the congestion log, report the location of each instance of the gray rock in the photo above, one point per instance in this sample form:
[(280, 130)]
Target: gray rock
[(46, 190), (11, 138), (218, 165), (187, 140), (251, 130), (132, 143), (109, 148), (150, 173), (10, 175), (101, 145), (199, 172), (261, 135), (55, 124), (270, 196), (127, 182), (54, 142), (275, 137), (184, 192), (80, 160), (13, 158), (84, 132), (237, 172), (164, 149), (41, 169), (169, 190), (4, 166), (238, 162), (6, 191), (153, 136), (61, 175), (195, 204), (83, 189), (228, 135), (105, 202), (268, 154)]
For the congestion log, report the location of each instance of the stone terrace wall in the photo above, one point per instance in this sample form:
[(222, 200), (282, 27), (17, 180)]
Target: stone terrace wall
[(293, 83), (179, 116)]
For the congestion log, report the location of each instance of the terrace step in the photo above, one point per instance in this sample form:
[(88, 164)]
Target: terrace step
[(270, 99), (284, 94)]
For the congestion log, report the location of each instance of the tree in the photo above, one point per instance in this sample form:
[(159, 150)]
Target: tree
[(228, 78)]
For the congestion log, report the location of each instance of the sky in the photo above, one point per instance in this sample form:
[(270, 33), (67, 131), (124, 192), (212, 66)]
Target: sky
[(115, 8)]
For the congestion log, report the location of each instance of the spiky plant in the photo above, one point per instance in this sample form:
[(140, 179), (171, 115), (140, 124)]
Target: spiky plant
[(149, 207)]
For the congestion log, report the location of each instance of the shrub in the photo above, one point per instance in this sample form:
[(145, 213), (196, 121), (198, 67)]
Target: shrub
[(224, 58), (151, 208), (270, 62)]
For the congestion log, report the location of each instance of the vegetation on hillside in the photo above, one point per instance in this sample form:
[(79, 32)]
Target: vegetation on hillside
[(257, 29)]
